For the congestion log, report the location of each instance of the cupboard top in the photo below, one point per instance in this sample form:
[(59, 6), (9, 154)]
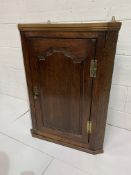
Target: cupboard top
[(71, 26)]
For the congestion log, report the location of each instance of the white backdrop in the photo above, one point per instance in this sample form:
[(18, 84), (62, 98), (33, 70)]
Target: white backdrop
[(12, 77)]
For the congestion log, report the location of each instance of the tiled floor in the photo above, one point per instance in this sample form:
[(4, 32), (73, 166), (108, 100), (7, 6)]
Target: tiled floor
[(20, 154)]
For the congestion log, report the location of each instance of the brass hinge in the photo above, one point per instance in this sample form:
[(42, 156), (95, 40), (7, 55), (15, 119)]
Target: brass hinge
[(35, 92), (93, 68), (89, 127)]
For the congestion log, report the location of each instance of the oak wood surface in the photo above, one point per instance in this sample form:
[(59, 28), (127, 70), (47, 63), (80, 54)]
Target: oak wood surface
[(57, 63), (62, 141), (71, 26), (64, 84)]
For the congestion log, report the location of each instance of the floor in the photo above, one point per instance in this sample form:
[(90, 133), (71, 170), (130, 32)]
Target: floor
[(20, 154)]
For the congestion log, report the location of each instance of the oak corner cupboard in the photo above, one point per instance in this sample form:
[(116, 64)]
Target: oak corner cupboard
[(69, 70)]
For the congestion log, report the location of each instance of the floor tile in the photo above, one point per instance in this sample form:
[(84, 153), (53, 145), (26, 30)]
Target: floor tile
[(10, 109), (20, 130), (60, 168), (117, 148), (18, 159)]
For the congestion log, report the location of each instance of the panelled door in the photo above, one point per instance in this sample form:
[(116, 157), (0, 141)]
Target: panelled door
[(62, 86)]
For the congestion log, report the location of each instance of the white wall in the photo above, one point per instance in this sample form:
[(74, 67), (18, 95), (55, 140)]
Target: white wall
[(12, 78)]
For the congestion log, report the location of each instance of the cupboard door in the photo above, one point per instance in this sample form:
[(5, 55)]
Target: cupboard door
[(62, 85)]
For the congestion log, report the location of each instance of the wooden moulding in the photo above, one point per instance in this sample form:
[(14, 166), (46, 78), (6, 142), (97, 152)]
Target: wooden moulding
[(37, 134), (71, 26)]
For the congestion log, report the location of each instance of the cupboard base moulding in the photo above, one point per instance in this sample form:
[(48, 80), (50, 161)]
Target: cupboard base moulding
[(39, 135)]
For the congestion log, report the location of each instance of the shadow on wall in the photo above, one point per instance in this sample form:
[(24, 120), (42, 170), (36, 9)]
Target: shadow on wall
[(5, 166)]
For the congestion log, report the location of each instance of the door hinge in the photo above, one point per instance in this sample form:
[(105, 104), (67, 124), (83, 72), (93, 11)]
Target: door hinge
[(89, 127), (35, 92), (93, 68)]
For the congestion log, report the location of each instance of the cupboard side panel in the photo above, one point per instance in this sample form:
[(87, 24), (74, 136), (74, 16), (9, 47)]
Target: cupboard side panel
[(101, 89), (24, 42)]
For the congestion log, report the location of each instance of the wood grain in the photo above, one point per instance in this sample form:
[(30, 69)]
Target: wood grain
[(57, 61), (71, 26)]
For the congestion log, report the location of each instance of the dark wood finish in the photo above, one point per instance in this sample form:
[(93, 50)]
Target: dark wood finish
[(74, 27), (60, 69), (63, 96), (101, 89), (64, 142)]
